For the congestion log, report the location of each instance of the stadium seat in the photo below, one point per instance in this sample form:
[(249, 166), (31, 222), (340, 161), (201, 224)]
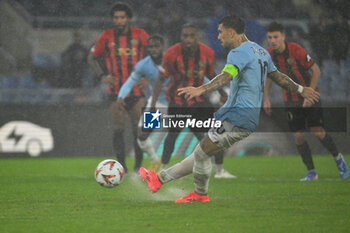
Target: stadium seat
[(10, 82), (26, 82)]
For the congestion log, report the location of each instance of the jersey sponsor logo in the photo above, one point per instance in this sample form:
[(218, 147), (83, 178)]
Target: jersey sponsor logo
[(195, 73), (126, 52)]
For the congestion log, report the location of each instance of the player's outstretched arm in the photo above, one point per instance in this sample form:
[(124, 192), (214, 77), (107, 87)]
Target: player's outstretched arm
[(97, 69), (157, 89), (218, 82), (127, 86), (287, 83), (222, 92)]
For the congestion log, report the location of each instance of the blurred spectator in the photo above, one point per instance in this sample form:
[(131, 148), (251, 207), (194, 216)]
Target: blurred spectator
[(212, 32), (154, 25), (320, 38), (254, 31), (45, 68), (74, 64), (174, 25), (275, 9), (296, 34), (341, 38), (340, 6)]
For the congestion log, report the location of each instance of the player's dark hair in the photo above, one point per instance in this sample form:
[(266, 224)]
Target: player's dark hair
[(233, 21), (275, 27), (157, 38), (121, 6), (189, 25)]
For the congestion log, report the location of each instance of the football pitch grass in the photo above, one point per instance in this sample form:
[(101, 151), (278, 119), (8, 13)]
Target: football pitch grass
[(61, 195)]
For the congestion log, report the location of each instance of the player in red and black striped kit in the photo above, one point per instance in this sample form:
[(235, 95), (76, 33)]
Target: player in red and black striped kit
[(293, 60), (187, 63), (122, 47)]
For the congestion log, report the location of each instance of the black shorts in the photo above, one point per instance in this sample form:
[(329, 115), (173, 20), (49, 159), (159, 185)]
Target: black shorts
[(301, 118), (130, 101)]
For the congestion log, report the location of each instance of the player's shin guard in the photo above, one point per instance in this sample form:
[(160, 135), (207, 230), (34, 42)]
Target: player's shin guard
[(329, 144), (147, 147), (177, 171), (201, 170), (305, 152), (169, 145), (138, 156), (219, 160)]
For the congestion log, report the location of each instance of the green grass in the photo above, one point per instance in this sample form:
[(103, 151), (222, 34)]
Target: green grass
[(61, 195)]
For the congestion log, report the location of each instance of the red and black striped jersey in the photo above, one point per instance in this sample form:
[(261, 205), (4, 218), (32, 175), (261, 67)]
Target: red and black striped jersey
[(294, 62), (121, 53), (187, 71)]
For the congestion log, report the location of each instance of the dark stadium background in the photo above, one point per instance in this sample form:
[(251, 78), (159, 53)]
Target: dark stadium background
[(34, 35)]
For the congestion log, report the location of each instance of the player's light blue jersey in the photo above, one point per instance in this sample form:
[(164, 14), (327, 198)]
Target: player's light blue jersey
[(242, 107), (144, 69)]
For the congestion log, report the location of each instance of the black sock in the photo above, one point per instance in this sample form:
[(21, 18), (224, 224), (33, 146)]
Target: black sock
[(118, 146), (305, 152), (169, 144), (219, 158), (138, 156), (328, 142)]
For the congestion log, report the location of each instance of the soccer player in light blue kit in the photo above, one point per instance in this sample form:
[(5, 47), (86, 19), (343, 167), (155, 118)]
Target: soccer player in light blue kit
[(144, 75), (247, 66), (147, 68)]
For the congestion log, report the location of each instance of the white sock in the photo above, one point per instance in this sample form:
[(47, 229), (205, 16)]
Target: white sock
[(218, 168), (146, 146), (177, 171), (338, 157), (201, 170), (163, 166)]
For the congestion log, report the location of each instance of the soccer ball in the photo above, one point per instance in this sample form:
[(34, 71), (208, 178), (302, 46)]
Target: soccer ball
[(109, 173)]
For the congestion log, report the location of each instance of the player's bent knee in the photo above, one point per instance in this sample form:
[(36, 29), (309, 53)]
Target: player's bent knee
[(318, 132), (299, 137), (118, 122), (209, 147), (117, 117), (142, 136), (201, 158)]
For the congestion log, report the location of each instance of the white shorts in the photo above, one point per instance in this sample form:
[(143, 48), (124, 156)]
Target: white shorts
[(227, 135)]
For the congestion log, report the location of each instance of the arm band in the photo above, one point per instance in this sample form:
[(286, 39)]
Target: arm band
[(300, 89), (231, 69)]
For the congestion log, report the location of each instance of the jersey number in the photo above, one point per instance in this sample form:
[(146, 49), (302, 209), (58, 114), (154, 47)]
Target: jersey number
[(263, 72)]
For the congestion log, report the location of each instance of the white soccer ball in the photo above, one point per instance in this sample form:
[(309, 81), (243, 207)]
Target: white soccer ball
[(109, 173)]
